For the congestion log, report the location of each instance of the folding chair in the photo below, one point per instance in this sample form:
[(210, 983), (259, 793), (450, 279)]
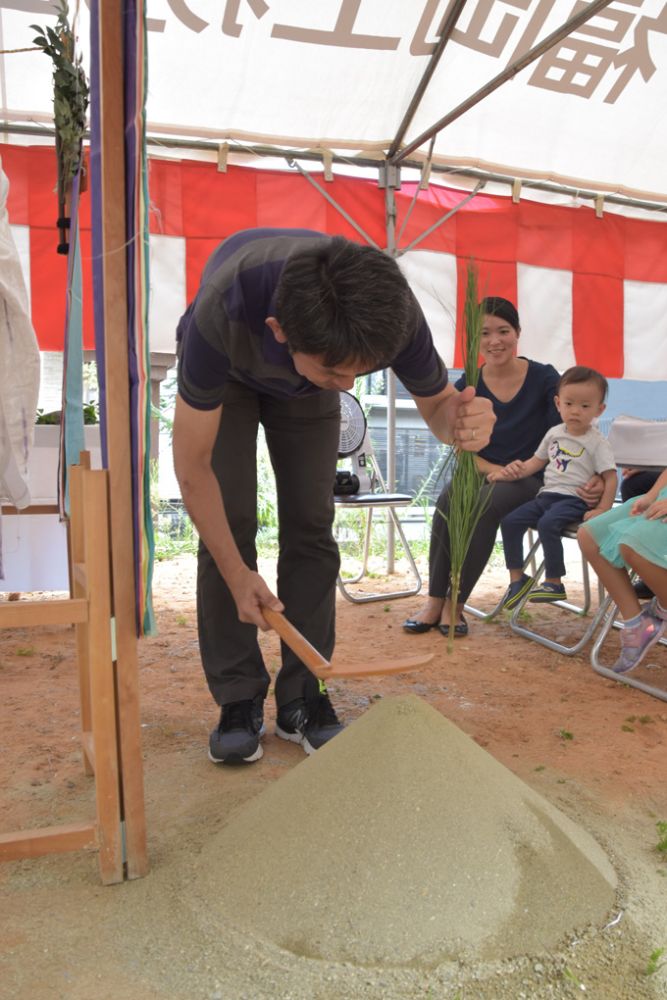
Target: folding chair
[(370, 494), (522, 628), (637, 443)]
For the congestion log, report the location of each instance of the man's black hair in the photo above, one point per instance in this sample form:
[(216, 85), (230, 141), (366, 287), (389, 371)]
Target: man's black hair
[(345, 302), (580, 373), (494, 305)]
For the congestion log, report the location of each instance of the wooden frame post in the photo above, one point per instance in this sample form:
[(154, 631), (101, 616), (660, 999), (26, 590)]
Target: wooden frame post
[(114, 238)]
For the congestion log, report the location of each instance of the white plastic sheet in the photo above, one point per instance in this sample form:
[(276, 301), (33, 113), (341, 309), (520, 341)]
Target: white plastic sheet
[(19, 367)]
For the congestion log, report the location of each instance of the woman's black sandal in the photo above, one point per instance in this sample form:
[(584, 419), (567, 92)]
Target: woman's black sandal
[(460, 629), (416, 627)]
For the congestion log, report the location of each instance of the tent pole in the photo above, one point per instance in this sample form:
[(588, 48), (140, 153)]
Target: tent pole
[(390, 220), (423, 185), (112, 195), (447, 27), (441, 220), (507, 74), (332, 201)]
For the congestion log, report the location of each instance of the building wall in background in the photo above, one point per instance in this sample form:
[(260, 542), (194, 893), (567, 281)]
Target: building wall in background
[(419, 456)]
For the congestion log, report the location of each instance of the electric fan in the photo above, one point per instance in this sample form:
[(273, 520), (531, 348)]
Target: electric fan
[(353, 442), (352, 425)]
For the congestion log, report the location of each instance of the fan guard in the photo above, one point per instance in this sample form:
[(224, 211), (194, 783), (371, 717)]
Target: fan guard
[(352, 425)]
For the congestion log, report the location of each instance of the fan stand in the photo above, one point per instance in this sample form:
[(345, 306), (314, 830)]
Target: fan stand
[(355, 444)]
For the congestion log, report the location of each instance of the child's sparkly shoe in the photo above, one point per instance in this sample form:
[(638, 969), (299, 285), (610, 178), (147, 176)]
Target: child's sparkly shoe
[(636, 640)]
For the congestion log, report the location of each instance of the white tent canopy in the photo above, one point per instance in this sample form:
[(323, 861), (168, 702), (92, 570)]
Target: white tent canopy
[(368, 80), (340, 75)]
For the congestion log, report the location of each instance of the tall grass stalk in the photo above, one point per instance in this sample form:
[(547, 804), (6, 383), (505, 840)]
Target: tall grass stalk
[(467, 501)]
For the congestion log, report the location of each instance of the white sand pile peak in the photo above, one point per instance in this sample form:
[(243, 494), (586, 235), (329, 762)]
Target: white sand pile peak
[(403, 842)]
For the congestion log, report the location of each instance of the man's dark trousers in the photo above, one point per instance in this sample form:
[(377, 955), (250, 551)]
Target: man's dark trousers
[(302, 436)]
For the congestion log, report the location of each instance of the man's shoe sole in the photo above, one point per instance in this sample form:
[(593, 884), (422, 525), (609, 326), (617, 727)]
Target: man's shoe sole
[(234, 758), (295, 738)]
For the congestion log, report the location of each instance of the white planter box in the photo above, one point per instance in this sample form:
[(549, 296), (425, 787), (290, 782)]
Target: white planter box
[(34, 546), (43, 464)]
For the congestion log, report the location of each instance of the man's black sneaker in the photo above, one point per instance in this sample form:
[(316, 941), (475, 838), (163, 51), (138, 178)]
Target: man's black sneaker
[(311, 723), (236, 739)]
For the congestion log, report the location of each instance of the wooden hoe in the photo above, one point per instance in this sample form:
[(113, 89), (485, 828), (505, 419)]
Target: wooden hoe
[(322, 668)]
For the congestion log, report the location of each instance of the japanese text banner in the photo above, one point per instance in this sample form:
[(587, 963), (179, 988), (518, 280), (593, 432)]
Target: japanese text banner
[(341, 74)]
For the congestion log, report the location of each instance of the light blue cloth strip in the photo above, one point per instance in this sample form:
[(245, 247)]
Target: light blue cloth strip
[(72, 417)]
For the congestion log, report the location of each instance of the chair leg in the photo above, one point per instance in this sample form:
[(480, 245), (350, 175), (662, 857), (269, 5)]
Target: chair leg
[(609, 621), (528, 563), (344, 582), (544, 640), (528, 633)]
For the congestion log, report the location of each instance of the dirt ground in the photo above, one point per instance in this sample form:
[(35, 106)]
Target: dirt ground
[(591, 746)]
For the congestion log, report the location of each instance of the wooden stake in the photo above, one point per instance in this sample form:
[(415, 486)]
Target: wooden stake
[(114, 238), (101, 678)]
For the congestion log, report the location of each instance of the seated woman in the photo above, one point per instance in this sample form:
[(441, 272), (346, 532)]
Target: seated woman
[(633, 536), (522, 395)]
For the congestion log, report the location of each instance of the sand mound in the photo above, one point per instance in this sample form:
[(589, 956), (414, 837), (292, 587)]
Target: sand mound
[(403, 842)]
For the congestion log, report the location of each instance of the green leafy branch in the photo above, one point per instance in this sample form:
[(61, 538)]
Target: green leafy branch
[(70, 97), (467, 499)]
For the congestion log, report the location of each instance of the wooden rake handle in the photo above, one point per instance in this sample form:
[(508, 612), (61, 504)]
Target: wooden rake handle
[(297, 642), (323, 669)]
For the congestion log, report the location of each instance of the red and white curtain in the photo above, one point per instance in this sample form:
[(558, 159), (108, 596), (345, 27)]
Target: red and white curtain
[(590, 290)]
